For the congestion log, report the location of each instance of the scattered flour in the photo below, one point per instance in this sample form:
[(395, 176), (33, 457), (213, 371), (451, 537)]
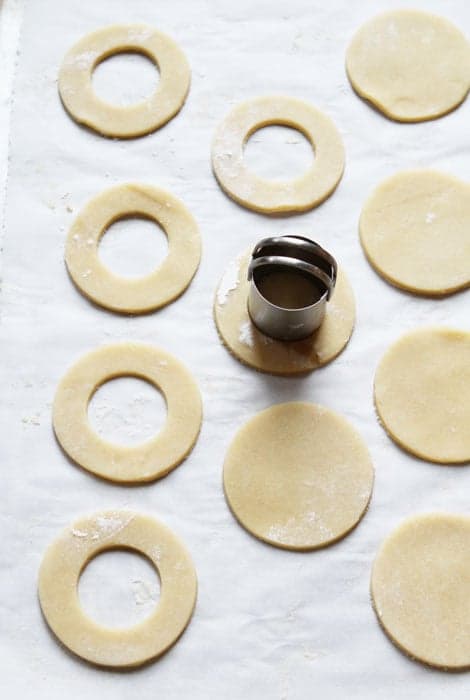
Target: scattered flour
[(229, 282)]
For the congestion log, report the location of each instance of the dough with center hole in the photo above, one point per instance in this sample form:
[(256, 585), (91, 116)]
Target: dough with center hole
[(140, 294), (271, 196), (415, 231), (422, 394), (265, 354), (298, 476), (421, 589), (84, 105), (60, 572), (411, 65), (146, 461)]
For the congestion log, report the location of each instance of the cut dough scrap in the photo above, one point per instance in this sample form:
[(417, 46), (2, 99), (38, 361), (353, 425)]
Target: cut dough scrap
[(271, 196), (415, 231), (422, 394), (298, 476), (85, 107), (421, 589), (64, 562), (411, 65), (151, 459), (141, 294), (265, 354)]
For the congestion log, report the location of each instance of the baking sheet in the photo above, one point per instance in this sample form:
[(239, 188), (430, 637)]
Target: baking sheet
[(268, 623)]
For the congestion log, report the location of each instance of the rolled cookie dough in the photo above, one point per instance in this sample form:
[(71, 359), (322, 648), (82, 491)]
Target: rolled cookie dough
[(415, 231), (265, 354), (411, 65), (298, 476), (422, 394), (64, 562), (149, 460), (142, 294), (271, 196), (421, 589), (82, 103)]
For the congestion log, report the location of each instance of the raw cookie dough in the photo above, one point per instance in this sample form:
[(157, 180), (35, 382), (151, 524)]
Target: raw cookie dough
[(298, 476), (421, 589), (64, 562), (422, 394), (81, 101), (151, 459), (141, 294), (271, 196), (257, 350), (411, 65), (415, 231)]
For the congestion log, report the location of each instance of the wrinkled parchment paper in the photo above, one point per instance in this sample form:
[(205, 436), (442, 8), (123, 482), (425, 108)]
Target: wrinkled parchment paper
[(269, 623)]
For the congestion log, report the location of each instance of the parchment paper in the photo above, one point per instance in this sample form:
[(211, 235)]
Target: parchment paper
[(269, 623)]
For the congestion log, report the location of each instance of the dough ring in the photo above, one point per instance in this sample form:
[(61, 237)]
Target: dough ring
[(265, 354), (65, 560), (422, 394), (140, 463), (271, 196), (420, 589), (298, 476), (82, 103), (415, 231), (141, 294), (411, 65)]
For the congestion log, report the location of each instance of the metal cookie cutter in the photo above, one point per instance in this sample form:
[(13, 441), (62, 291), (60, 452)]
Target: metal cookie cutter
[(292, 278)]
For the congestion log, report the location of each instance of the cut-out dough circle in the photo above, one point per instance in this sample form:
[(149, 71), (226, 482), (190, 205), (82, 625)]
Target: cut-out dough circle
[(151, 459), (420, 589), (271, 196), (411, 65), (415, 231), (298, 476), (140, 294), (66, 558), (422, 394), (265, 354), (84, 105)]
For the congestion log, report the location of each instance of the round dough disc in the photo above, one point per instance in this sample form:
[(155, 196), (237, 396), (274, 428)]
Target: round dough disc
[(422, 394), (272, 196), (151, 459), (64, 562), (415, 231), (140, 294), (298, 476), (421, 589), (411, 65), (84, 105), (265, 354)]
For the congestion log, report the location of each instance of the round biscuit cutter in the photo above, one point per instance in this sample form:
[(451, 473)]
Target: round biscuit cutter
[(291, 280)]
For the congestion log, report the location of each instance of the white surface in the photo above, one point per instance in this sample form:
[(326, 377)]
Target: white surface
[(268, 624)]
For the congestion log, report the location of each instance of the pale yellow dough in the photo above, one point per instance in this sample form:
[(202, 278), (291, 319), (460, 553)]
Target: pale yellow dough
[(271, 196), (65, 560), (140, 463), (82, 103), (298, 476), (411, 65), (141, 294), (415, 231), (422, 394), (265, 354), (421, 589)]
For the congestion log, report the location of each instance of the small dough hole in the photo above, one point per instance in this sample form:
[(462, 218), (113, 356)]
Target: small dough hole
[(278, 153), (133, 247), (125, 78), (127, 411), (119, 588)]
